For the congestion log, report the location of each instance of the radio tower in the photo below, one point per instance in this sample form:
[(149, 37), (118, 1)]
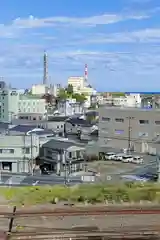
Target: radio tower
[(45, 68), (86, 73)]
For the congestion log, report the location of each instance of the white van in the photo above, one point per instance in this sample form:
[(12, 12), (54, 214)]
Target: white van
[(110, 155), (137, 160), (119, 156), (127, 159)]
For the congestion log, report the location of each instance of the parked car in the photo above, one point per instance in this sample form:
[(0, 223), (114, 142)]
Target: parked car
[(127, 159), (137, 160), (110, 155), (119, 156)]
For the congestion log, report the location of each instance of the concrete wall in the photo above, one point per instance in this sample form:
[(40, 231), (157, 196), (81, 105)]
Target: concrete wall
[(115, 123)]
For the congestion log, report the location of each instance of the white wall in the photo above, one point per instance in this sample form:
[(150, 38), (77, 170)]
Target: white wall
[(32, 106), (38, 89)]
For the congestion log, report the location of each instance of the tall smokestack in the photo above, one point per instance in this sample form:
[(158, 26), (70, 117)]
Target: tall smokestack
[(45, 68), (86, 72)]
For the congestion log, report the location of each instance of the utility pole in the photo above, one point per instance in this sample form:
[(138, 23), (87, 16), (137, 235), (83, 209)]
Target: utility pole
[(158, 166), (129, 132), (31, 154)]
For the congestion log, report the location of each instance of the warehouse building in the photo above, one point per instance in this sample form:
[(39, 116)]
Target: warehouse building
[(134, 128)]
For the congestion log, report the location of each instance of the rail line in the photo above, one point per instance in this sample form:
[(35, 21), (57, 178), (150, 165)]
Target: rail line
[(73, 211), (79, 234)]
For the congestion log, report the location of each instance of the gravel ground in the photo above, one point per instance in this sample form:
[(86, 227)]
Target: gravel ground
[(102, 222)]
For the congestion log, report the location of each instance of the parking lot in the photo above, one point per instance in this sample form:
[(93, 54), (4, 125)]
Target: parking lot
[(110, 170)]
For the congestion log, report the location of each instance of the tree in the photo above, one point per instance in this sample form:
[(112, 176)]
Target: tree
[(79, 97), (69, 89), (93, 106), (118, 94), (62, 94), (49, 98)]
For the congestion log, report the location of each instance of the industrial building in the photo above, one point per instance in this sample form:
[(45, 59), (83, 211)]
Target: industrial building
[(134, 128)]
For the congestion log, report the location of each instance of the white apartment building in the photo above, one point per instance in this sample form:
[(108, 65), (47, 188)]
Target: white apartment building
[(13, 105), (9, 99), (78, 83), (32, 107)]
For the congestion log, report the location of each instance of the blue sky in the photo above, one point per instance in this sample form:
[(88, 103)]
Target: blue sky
[(118, 39)]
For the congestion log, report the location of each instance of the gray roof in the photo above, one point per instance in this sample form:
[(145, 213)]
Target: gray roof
[(4, 125), (80, 122), (60, 144), (23, 128), (57, 118)]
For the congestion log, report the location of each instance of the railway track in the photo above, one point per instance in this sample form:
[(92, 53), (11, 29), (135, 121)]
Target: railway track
[(143, 234), (73, 211)]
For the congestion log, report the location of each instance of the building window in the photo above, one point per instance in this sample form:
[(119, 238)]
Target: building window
[(118, 131), (106, 119), (144, 121), (70, 154), (120, 120), (6, 151), (157, 122), (26, 150), (143, 134)]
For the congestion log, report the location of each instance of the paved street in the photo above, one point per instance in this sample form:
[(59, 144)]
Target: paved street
[(27, 180)]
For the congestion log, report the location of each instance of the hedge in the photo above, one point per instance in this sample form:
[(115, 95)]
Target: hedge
[(91, 193)]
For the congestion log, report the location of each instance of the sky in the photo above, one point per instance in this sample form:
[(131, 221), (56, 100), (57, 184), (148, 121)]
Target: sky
[(118, 39)]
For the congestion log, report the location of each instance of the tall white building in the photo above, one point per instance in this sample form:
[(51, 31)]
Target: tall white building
[(77, 82)]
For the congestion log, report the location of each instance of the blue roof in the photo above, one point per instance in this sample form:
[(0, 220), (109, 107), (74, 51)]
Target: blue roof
[(23, 128), (142, 92)]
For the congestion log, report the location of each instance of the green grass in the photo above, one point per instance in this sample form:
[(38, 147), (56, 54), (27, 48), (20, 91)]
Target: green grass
[(92, 193)]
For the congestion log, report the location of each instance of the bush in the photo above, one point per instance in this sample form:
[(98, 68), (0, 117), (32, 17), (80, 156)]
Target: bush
[(92, 193)]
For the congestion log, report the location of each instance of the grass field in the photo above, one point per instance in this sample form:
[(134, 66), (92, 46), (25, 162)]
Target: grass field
[(90, 193)]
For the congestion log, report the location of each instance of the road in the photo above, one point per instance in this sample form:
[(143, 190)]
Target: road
[(11, 179)]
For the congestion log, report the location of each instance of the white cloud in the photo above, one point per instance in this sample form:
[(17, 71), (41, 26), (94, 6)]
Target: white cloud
[(104, 19), (142, 36)]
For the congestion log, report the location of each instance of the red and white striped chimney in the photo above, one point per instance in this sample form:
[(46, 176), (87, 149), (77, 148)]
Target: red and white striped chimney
[(86, 72)]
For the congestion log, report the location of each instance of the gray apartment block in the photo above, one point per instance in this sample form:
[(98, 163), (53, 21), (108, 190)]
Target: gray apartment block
[(17, 153), (136, 128)]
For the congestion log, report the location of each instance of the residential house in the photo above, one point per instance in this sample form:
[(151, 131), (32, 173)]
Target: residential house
[(70, 107), (63, 157)]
